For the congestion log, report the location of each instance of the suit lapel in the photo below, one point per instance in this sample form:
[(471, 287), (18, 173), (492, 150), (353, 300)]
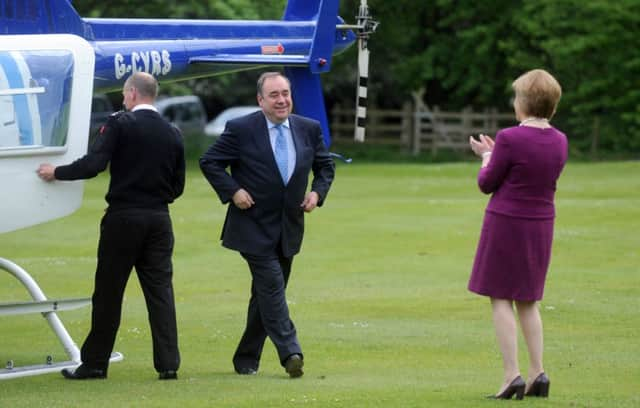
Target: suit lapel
[(296, 134)]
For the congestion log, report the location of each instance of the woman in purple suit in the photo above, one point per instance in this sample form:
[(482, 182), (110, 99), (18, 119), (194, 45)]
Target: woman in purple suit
[(520, 170)]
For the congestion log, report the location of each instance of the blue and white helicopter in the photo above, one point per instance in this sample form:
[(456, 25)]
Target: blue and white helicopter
[(52, 60)]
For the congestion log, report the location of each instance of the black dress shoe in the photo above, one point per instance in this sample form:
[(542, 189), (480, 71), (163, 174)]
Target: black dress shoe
[(168, 375), (516, 387), (293, 366), (82, 372), (246, 371), (539, 387)]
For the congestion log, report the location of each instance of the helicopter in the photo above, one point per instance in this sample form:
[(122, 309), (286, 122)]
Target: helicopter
[(52, 61)]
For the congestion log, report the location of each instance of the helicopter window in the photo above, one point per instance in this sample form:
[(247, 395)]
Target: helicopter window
[(35, 92)]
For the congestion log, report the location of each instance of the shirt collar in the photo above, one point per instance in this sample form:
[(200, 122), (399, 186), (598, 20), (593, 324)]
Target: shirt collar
[(271, 125), (144, 106)]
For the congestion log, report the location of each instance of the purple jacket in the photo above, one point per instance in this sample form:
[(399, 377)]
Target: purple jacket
[(522, 173)]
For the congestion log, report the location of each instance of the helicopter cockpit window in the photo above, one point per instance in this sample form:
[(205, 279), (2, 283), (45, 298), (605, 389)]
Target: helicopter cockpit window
[(35, 92)]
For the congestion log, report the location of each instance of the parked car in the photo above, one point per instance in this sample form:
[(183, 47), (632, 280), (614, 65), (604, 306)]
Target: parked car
[(185, 112), (216, 126), (101, 109)]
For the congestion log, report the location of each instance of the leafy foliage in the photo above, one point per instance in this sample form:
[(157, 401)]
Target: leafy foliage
[(591, 46)]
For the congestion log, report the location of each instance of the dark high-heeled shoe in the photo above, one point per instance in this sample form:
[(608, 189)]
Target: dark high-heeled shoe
[(516, 387), (539, 387)]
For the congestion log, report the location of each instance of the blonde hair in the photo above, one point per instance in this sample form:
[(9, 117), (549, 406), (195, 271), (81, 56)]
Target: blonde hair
[(537, 93)]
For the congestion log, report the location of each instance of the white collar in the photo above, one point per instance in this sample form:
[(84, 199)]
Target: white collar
[(144, 106), (545, 121), (271, 125)]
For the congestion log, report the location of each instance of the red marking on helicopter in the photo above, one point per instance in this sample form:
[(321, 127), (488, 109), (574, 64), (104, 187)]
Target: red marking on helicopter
[(272, 49)]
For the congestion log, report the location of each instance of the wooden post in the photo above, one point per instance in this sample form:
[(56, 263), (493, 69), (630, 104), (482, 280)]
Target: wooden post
[(466, 121), (595, 136), (405, 132), (335, 121), (372, 124), (419, 106), (489, 120), (435, 131), (417, 130)]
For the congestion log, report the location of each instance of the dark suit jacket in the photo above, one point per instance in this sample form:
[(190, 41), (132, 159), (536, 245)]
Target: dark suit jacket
[(276, 217)]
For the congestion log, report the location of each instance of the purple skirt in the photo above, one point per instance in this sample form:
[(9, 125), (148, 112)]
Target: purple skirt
[(512, 258)]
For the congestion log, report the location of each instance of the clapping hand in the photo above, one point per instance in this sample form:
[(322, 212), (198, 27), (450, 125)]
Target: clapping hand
[(484, 145)]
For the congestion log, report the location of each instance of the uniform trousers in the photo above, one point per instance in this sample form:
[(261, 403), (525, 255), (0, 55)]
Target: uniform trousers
[(142, 239)]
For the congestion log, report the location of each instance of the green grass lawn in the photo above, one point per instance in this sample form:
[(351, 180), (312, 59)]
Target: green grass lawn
[(378, 295)]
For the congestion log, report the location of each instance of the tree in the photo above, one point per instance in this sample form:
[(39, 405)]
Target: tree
[(448, 47), (591, 46), (466, 53)]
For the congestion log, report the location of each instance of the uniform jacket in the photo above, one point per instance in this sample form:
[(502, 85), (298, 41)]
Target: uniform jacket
[(145, 155)]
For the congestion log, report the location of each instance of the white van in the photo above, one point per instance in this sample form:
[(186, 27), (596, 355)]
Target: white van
[(217, 124)]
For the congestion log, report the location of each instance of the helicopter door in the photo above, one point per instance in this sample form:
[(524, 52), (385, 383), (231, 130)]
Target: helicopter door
[(46, 85)]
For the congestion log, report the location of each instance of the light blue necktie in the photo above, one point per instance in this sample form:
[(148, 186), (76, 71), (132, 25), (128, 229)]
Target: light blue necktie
[(282, 153)]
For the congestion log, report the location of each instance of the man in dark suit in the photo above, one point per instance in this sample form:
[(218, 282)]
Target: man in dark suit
[(147, 167), (270, 154)]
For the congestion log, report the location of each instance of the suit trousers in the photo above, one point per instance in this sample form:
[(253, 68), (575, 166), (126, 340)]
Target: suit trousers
[(268, 313), (142, 239)]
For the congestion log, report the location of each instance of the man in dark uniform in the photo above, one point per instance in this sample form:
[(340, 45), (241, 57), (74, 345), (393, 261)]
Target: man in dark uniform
[(147, 166), (270, 155)]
